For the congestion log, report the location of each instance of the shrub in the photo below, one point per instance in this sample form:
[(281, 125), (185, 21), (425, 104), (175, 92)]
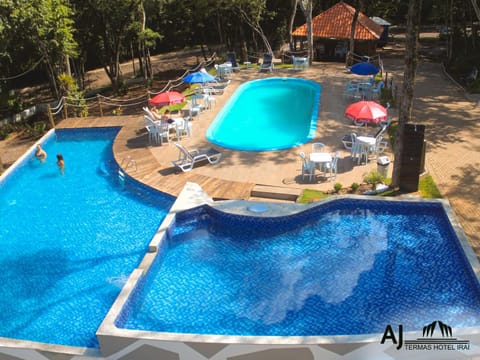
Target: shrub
[(373, 178), (337, 187), (355, 186), (75, 97)]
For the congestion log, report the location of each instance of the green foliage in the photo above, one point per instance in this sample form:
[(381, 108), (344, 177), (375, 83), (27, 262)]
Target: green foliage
[(36, 130), (428, 188), (12, 101), (309, 196), (8, 129), (373, 178), (337, 187), (355, 186), (75, 97), (386, 96)]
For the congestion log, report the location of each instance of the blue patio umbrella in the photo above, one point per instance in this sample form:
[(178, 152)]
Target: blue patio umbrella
[(364, 68), (198, 77)]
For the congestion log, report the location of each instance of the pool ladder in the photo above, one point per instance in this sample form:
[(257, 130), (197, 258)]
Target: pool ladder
[(129, 162)]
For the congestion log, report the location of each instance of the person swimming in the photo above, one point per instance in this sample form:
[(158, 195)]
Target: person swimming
[(40, 154), (61, 163)]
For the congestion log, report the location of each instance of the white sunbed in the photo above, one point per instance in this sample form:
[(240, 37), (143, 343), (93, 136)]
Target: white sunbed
[(188, 158)]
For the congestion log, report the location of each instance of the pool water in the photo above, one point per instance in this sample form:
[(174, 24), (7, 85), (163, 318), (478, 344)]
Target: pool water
[(268, 114), (344, 268), (70, 241)]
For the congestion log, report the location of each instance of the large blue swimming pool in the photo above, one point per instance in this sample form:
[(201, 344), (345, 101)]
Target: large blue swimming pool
[(68, 242), (347, 267), (268, 114)]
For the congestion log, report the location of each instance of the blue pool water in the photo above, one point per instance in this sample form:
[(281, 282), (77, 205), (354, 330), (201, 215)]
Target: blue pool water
[(347, 267), (268, 114), (69, 242)]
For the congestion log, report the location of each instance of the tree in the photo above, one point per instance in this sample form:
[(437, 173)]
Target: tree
[(113, 18), (252, 13), (44, 28), (292, 22), (306, 6), (406, 99)]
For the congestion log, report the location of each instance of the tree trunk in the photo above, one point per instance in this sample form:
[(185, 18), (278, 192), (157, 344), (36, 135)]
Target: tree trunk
[(406, 100), (354, 26), (292, 20), (306, 7)]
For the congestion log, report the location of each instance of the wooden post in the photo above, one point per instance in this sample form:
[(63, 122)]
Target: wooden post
[(100, 105), (65, 113), (50, 116)]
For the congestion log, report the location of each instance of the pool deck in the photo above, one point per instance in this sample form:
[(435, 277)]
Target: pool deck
[(452, 134)]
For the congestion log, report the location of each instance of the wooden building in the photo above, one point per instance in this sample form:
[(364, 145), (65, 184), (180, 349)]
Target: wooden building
[(331, 33)]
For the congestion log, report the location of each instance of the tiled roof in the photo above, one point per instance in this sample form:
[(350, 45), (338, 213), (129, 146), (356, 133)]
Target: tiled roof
[(336, 22)]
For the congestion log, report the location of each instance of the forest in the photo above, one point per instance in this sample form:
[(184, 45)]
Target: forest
[(48, 40)]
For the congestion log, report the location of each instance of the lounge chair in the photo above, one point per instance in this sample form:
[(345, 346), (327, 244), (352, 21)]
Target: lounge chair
[(188, 158), (231, 59), (267, 63)]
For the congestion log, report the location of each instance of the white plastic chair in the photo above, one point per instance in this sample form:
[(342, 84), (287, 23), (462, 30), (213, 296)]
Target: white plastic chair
[(377, 90), (332, 167), (351, 90), (163, 131), (152, 131), (308, 167), (184, 127)]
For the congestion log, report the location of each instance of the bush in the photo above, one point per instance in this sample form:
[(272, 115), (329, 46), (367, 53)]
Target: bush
[(355, 186), (373, 178), (337, 187)]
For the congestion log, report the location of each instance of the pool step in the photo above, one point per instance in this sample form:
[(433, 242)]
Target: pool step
[(264, 192)]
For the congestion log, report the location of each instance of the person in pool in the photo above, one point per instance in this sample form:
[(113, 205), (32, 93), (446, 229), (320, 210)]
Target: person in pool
[(40, 154), (60, 163)]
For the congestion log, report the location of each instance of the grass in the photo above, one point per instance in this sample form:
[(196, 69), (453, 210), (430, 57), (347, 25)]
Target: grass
[(309, 196), (427, 188)]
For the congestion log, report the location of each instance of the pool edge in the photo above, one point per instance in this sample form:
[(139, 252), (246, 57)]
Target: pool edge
[(113, 339)]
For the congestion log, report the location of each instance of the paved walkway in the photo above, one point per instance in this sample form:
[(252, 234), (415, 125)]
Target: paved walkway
[(453, 144)]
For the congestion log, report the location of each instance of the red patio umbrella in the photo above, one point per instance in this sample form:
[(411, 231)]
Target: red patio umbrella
[(365, 112), (167, 98)]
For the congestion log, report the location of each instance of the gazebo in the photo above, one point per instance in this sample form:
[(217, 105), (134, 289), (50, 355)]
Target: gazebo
[(331, 33)]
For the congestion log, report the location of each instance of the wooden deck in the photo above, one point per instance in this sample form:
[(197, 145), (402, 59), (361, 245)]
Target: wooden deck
[(133, 155)]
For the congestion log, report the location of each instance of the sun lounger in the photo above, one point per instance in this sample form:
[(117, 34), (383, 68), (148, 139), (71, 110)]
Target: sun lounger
[(267, 63), (188, 158)]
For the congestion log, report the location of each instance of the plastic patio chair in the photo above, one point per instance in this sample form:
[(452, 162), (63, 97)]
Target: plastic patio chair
[(308, 167)]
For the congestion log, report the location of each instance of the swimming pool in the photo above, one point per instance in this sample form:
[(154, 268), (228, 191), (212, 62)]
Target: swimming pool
[(70, 241), (347, 267), (268, 114)]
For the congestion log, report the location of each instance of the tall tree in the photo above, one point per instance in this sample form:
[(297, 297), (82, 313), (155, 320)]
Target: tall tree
[(292, 22), (45, 28), (113, 18), (353, 28), (253, 12), (306, 6), (406, 99)]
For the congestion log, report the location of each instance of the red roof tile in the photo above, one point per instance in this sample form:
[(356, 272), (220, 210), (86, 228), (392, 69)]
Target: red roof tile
[(336, 22)]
